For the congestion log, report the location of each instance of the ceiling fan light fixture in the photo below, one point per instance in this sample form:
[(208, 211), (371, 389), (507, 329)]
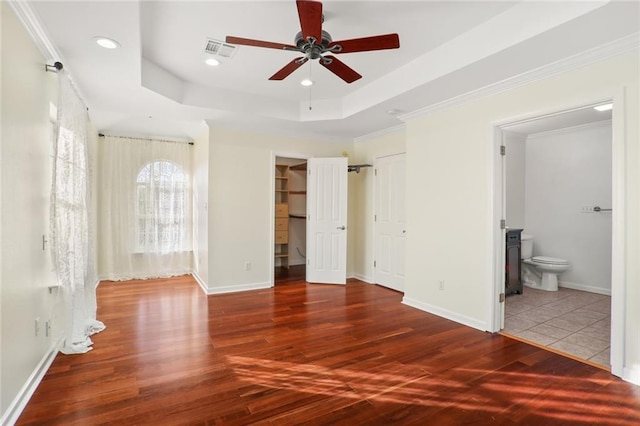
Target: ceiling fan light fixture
[(212, 62), (307, 82), (106, 42)]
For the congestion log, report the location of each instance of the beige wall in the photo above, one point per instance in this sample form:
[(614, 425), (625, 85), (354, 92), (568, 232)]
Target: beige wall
[(240, 202), (366, 152), (450, 200), (26, 93)]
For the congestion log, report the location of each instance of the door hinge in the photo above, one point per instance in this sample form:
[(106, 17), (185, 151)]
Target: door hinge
[(501, 297), (375, 172), (503, 150), (503, 224), (375, 217), (309, 172), (308, 262), (374, 263)]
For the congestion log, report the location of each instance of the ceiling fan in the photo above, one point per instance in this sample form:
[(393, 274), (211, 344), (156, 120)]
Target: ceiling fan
[(315, 43)]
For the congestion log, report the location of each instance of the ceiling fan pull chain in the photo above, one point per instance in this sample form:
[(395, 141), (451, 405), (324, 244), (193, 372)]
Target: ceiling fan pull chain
[(310, 79)]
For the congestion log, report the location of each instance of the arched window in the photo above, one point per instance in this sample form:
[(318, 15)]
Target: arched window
[(162, 190)]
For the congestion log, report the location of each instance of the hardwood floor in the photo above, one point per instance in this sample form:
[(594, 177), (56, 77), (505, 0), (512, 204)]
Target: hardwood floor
[(292, 273), (316, 354)]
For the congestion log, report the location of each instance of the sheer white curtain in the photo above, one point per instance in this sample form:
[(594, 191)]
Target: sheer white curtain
[(145, 207), (72, 239)]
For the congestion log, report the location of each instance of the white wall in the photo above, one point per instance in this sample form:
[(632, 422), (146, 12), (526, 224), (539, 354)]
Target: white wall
[(240, 203), (200, 181), (565, 171), (26, 182), (515, 167), (366, 152), (450, 192)]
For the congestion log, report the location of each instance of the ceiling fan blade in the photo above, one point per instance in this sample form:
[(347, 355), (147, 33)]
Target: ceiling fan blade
[(310, 14), (289, 68), (340, 69), (380, 42), (259, 43)]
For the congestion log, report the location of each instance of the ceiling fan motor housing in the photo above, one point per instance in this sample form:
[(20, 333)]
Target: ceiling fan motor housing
[(313, 50)]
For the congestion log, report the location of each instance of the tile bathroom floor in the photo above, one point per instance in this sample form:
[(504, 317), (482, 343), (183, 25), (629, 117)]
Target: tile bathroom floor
[(571, 321)]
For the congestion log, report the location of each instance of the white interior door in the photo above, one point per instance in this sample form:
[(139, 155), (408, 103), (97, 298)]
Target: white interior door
[(390, 222), (327, 220)]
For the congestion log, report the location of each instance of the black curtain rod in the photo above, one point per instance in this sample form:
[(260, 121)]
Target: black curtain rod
[(102, 135), (57, 66)]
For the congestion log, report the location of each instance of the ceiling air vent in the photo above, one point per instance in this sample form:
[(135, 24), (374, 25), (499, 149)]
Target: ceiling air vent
[(219, 48)]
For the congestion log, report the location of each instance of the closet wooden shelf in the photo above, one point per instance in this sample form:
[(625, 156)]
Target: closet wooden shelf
[(282, 177), (281, 255), (301, 166), (297, 216), (297, 192)]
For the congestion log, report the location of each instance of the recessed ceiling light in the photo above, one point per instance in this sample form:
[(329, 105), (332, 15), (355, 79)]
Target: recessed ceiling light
[(107, 43), (307, 82), (605, 107), (213, 62)]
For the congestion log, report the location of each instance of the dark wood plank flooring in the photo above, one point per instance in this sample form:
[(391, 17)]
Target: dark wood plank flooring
[(292, 273), (316, 354)]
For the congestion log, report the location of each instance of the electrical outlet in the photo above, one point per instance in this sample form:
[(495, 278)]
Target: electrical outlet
[(441, 285), (37, 326), (247, 266)]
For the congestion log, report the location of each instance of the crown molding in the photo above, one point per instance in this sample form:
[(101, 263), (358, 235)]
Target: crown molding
[(374, 135), (605, 51), (31, 22)]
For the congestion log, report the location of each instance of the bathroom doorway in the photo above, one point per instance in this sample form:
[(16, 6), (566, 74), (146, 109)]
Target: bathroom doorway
[(555, 183)]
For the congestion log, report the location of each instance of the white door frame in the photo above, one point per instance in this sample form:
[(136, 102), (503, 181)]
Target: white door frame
[(497, 188), (272, 208)]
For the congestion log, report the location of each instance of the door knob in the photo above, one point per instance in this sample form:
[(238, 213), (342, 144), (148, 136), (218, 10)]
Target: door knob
[(342, 228)]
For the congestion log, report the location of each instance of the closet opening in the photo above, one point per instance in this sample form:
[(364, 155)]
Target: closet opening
[(290, 228)]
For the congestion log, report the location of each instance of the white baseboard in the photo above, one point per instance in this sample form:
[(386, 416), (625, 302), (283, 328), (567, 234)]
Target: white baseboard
[(631, 374), (236, 288), (462, 319), (16, 407), (583, 287), (368, 280), (200, 282)]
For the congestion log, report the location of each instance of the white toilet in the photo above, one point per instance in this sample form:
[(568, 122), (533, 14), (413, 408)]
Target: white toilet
[(540, 272)]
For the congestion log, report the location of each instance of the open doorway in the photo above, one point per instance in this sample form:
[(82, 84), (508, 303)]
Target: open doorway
[(290, 230), (556, 185)]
